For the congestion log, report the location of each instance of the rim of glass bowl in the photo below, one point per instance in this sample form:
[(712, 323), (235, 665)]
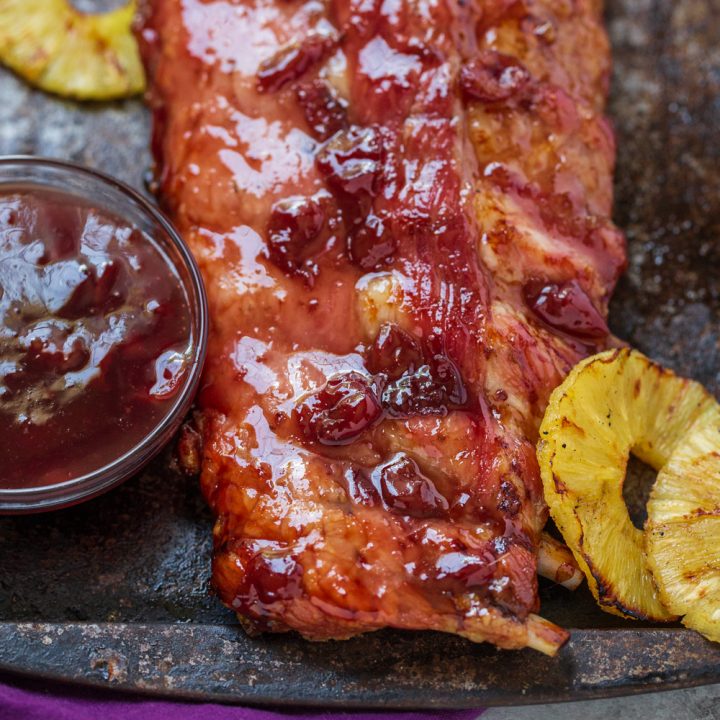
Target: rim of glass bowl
[(70, 492)]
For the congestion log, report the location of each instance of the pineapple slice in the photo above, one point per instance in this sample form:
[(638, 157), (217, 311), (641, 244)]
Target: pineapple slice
[(610, 405), (63, 51), (682, 534)]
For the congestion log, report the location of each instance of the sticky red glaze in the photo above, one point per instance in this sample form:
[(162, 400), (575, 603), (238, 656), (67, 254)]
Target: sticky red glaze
[(415, 380), (406, 490), (295, 231), (345, 407), (350, 160), (291, 62), (324, 112), (273, 577), (370, 457), (492, 77), (394, 352), (565, 306), (94, 330), (429, 389)]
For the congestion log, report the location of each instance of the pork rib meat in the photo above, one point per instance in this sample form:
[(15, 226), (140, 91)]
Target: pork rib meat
[(401, 212)]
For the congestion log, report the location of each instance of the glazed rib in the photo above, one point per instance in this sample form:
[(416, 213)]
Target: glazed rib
[(401, 211)]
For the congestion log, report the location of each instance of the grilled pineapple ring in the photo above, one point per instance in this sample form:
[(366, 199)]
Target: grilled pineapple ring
[(610, 405), (682, 535), (63, 51)]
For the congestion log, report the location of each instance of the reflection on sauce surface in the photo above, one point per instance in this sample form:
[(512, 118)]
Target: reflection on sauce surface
[(94, 336)]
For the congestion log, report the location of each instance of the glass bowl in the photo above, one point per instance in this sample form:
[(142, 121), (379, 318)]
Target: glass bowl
[(112, 196)]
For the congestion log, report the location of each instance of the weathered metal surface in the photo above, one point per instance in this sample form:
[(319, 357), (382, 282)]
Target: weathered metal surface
[(380, 670), (141, 553)]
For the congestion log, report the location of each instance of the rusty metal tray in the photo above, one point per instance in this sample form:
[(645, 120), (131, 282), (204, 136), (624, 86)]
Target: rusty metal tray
[(115, 592)]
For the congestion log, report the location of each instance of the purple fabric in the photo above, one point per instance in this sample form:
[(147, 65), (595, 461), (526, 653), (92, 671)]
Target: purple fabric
[(33, 702)]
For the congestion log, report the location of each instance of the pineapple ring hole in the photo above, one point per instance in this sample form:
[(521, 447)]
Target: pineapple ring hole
[(639, 480)]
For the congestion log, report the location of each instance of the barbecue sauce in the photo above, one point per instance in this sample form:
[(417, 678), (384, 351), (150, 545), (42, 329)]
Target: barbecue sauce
[(95, 330)]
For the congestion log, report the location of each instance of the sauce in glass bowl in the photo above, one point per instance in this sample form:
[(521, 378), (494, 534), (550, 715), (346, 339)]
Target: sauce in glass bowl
[(102, 325)]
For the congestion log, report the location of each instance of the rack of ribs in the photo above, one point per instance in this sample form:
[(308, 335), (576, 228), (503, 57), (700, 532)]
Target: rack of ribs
[(401, 212)]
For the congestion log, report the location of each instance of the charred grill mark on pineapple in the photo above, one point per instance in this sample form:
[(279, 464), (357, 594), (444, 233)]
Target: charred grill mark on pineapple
[(567, 423), (637, 388), (699, 512), (560, 486), (608, 596)]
